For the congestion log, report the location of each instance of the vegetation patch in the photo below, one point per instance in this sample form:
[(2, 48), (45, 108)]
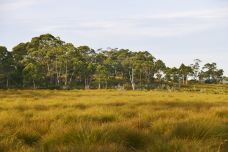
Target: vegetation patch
[(28, 137), (195, 129), (112, 121), (80, 106), (40, 107), (222, 114)]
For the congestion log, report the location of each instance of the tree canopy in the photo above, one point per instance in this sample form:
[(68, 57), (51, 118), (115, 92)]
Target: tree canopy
[(48, 62)]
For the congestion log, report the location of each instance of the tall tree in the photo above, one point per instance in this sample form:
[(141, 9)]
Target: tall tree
[(19, 52), (89, 64), (211, 73), (6, 65), (159, 69), (185, 71), (196, 69), (43, 52)]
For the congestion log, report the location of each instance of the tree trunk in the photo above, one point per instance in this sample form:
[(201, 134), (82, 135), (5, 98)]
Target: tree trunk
[(48, 75), (57, 73), (131, 74), (66, 75), (99, 86), (7, 82), (140, 79), (71, 77), (133, 86), (186, 81), (85, 84), (106, 84), (179, 84), (34, 84)]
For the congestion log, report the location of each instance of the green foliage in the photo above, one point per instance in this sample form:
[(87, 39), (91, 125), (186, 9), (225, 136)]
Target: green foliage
[(28, 137), (211, 73), (48, 62), (6, 67)]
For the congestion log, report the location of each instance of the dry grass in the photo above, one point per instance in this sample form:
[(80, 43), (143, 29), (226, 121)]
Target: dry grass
[(112, 121)]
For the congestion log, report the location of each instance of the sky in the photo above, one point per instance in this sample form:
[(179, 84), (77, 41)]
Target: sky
[(176, 31)]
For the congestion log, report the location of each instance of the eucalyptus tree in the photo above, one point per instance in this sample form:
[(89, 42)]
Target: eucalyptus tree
[(42, 51), (128, 62), (149, 68), (6, 65), (19, 52), (89, 65), (211, 73), (172, 76), (196, 69), (184, 72), (102, 72), (32, 73), (116, 65), (102, 75), (70, 59), (159, 69), (143, 63)]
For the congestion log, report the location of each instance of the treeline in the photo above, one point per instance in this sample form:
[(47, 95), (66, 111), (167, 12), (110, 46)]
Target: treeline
[(48, 62)]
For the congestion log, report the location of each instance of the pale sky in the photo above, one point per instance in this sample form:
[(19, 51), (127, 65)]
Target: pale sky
[(175, 31)]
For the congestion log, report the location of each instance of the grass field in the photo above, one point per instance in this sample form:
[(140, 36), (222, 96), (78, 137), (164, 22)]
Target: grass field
[(112, 121)]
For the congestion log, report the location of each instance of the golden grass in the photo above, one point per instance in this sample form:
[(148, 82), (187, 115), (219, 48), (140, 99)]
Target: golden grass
[(112, 121)]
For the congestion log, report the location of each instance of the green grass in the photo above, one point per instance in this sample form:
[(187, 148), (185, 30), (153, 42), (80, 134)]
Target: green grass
[(112, 121)]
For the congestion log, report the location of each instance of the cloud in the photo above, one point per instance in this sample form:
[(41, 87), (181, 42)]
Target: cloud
[(156, 25), (197, 14), (13, 5)]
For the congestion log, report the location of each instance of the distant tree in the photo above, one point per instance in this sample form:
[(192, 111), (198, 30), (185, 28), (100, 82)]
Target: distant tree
[(159, 69), (196, 69), (48, 62), (19, 52), (184, 72), (130, 65), (44, 53), (211, 73), (225, 78), (6, 65), (102, 71), (172, 75), (117, 63), (102, 75), (89, 64), (31, 72)]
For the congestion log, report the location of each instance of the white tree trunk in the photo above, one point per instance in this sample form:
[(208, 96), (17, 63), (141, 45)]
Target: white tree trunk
[(34, 84), (131, 75)]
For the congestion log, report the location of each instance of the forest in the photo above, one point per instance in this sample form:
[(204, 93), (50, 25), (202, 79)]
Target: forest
[(48, 62)]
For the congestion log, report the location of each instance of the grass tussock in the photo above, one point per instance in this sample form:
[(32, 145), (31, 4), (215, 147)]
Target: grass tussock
[(112, 121)]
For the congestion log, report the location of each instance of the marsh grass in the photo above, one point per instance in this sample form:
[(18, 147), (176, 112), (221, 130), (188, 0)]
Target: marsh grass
[(112, 121)]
